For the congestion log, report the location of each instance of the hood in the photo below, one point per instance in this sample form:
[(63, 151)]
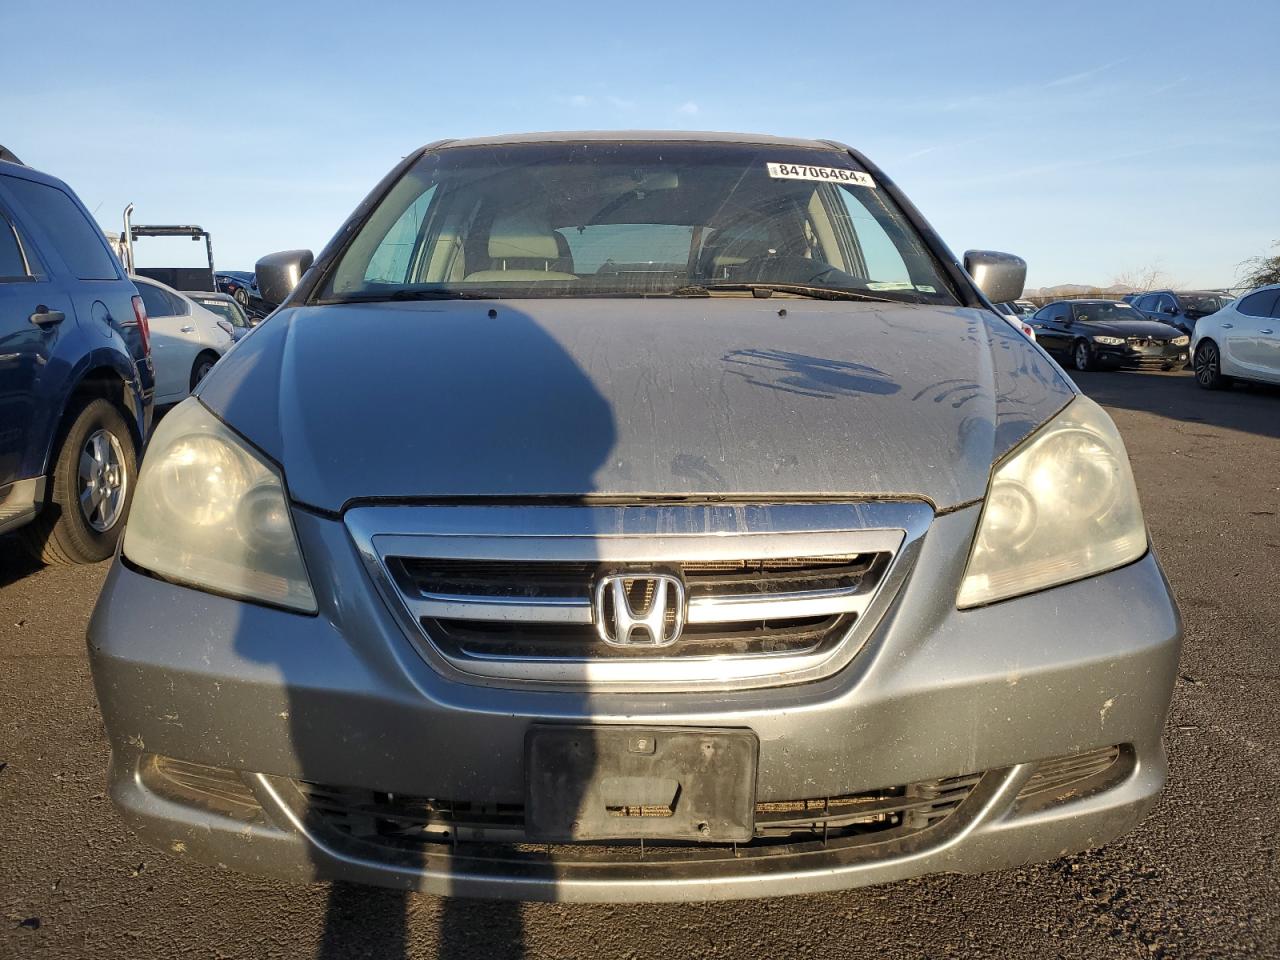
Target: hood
[(1132, 328), (634, 398)]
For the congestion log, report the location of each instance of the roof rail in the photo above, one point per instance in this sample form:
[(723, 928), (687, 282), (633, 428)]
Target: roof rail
[(7, 154)]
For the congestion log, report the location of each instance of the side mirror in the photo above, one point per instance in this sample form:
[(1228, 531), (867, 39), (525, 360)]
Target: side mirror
[(279, 273), (1001, 276)]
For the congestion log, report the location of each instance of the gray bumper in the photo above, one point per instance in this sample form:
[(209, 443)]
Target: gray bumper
[(343, 698)]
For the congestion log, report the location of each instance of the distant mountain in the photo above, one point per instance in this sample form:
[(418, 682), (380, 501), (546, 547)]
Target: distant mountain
[(1079, 289)]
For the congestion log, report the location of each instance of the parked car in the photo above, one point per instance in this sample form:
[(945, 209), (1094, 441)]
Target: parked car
[(1108, 335), (599, 495), (186, 339), (1013, 314), (76, 380), (240, 284), (1181, 310), (1240, 341), (231, 316)]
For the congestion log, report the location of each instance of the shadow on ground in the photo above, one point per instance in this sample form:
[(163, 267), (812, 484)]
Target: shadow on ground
[(1246, 407)]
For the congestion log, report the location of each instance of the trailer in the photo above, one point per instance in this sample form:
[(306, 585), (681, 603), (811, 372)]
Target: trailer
[(180, 278)]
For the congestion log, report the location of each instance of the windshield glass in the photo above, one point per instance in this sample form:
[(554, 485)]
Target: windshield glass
[(634, 219), (1105, 312), (227, 311), (1203, 303)]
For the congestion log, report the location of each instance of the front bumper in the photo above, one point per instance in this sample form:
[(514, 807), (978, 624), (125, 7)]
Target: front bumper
[(1139, 358), (343, 698)]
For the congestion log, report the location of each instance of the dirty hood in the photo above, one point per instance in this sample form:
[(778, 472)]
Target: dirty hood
[(634, 398)]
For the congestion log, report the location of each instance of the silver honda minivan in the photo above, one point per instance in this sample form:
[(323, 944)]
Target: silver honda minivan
[(634, 516)]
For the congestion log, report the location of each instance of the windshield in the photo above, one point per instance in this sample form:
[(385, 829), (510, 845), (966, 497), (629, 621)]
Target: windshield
[(1105, 312), (1203, 303), (635, 219)]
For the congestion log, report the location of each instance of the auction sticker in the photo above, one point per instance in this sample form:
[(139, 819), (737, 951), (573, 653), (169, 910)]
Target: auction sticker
[(800, 171)]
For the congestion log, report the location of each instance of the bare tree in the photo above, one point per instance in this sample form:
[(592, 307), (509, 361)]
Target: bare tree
[(1150, 277), (1260, 271)]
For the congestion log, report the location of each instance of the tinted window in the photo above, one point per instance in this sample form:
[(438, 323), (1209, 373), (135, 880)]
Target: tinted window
[(177, 306), (79, 242), (1258, 304), (154, 299), (11, 262)]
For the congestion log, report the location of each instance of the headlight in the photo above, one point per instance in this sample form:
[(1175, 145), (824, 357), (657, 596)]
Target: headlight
[(1109, 341), (210, 513), (1062, 507), (1180, 341)]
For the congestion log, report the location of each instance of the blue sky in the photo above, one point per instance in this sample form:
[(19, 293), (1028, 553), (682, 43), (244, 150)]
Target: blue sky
[(1093, 139)]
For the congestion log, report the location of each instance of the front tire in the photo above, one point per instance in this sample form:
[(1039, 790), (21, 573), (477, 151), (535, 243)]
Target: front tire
[(241, 297), (1208, 367), (93, 480), (1082, 356)]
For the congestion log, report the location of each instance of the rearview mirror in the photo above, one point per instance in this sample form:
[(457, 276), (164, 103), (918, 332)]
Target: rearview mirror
[(1001, 276), (279, 273)]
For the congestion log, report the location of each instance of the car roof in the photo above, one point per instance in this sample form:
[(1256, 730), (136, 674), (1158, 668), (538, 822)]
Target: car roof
[(206, 295), (639, 136), (1119, 303), (11, 166)]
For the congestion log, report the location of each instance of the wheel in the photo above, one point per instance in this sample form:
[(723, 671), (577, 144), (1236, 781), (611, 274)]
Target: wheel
[(93, 479), (1082, 356), (1208, 367), (200, 369), (241, 296)]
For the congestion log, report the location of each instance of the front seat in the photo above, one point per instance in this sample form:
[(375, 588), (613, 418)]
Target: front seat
[(523, 248)]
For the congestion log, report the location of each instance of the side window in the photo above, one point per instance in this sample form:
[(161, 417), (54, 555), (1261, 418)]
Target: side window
[(79, 241), (1260, 304), (1164, 304), (1062, 313), (154, 299), (885, 266), (177, 306), (1144, 303), (13, 266), (394, 254)]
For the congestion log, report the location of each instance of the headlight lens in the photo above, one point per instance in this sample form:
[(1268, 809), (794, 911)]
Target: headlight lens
[(1180, 341), (210, 513), (1062, 507), (1109, 341)]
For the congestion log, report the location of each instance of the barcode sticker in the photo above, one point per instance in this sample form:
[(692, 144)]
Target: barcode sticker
[(798, 171)]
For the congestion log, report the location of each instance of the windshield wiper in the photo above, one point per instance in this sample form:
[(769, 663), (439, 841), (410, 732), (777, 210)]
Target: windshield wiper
[(767, 289), (405, 295)]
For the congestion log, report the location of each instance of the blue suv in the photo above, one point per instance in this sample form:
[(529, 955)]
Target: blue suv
[(76, 380)]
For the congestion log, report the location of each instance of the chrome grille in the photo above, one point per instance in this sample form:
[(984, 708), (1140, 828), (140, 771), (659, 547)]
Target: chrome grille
[(772, 593)]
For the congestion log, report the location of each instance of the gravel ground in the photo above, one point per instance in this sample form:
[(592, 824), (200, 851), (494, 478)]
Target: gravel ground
[(1199, 878)]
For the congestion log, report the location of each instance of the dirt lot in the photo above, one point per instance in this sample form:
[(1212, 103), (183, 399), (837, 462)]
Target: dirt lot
[(1199, 878)]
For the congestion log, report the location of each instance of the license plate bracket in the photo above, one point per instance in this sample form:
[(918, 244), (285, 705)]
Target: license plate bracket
[(630, 783)]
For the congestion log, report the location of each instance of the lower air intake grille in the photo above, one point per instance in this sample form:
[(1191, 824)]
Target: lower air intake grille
[(397, 822)]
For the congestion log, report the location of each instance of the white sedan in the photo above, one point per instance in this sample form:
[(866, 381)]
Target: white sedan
[(1016, 319), (186, 339), (1240, 341)]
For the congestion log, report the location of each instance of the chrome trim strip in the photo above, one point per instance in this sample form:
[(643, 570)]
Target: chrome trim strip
[(778, 606), (642, 534), (449, 606)]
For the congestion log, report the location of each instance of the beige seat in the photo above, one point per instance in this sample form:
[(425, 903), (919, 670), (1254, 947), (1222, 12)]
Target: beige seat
[(523, 249)]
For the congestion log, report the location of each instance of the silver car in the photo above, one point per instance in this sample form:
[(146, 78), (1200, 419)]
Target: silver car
[(618, 517)]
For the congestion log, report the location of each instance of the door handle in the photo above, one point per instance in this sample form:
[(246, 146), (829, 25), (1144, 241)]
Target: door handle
[(188, 329), (44, 317), (1267, 331), (1228, 326)]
